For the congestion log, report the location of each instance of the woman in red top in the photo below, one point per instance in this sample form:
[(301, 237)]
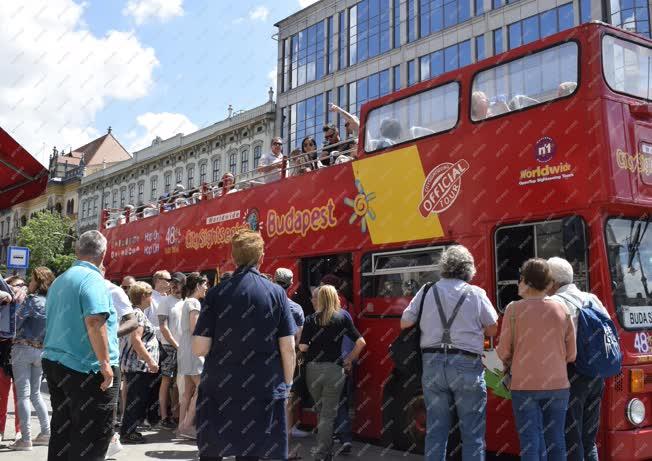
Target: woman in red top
[(537, 340)]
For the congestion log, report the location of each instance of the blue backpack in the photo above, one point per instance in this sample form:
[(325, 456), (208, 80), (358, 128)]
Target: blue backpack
[(598, 348)]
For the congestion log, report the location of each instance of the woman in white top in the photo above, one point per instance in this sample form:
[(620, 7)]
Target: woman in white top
[(188, 365)]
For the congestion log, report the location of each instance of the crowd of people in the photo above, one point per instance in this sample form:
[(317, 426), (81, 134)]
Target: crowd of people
[(225, 366), (308, 157), (218, 366), (556, 408)]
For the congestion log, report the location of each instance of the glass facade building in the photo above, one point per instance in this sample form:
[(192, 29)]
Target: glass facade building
[(348, 53)]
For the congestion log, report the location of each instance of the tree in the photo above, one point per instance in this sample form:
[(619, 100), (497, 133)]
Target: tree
[(48, 237)]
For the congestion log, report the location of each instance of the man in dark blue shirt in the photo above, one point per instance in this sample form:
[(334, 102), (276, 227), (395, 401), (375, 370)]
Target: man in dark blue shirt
[(246, 332)]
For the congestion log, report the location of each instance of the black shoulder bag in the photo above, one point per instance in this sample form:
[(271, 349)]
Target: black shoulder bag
[(405, 351)]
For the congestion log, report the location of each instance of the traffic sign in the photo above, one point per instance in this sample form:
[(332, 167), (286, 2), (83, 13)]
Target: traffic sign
[(18, 258)]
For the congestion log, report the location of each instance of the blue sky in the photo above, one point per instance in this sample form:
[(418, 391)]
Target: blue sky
[(145, 67)]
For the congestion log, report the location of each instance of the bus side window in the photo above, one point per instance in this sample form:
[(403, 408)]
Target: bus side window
[(517, 243)]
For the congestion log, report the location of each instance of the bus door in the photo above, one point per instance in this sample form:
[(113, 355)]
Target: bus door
[(389, 405), (314, 269), (513, 245)]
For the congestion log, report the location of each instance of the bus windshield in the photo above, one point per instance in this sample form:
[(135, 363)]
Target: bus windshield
[(627, 67), (629, 245)]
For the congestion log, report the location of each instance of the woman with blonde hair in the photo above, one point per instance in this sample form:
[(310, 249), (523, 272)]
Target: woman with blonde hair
[(321, 343), (26, 359)]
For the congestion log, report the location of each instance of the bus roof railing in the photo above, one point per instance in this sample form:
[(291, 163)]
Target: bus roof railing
[(291, 165)]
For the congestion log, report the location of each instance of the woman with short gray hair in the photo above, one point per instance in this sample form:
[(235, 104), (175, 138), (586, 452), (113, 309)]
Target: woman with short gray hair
[(455, 318)]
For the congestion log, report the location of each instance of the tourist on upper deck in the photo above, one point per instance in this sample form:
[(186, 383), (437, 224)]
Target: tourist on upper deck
[(583, 415), (333, 145), (537, 340), (226, 185), (272, 162), (352, 123), (456, 317), (309, 148), (298, 163)]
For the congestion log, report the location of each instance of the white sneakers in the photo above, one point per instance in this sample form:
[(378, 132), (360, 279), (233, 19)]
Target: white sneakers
[(41, 440), (21, 445), (114, 447)]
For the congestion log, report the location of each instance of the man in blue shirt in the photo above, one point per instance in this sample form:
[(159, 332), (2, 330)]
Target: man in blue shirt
[(80, 357)]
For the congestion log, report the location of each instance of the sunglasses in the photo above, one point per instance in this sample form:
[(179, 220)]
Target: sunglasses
[(19, 285), (125, 287), (277, 144)]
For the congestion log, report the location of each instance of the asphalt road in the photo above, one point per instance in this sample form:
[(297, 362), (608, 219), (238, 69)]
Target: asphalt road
[(163, 445)]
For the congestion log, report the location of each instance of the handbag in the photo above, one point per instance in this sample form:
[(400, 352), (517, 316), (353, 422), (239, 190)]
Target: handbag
[(405, 351)]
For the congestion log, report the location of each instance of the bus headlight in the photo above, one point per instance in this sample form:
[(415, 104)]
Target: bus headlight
[(635, 411)]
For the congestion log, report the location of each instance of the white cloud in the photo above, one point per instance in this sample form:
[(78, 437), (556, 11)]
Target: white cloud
[(146, 10), (305, 3), (57, 75), (163, 124), (260, 13)]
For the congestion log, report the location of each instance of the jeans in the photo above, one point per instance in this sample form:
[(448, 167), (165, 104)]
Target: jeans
[(26, 365), (343, 424), (454, 381), (82, 414), (583, 416), (237, 458), (139, 405), (537, 413), (325, 382)]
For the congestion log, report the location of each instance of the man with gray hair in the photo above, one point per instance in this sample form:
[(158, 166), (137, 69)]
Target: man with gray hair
[(80, 356), (455, 318), (583, 416)]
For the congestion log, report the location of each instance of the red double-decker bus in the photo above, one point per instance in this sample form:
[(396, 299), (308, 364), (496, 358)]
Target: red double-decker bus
[(545, 150)]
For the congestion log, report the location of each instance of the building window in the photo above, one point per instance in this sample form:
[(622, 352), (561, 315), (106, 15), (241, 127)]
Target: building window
[(132, 193), (396, 84), (412, 72), (95, 206), (539, 26), (306, 118), (154, 188), (495, 4), (233, 163), (450, 58), (498, 41), (216, 169), (343, 102), (179, 176), (167, 180), (397, 24), (141, 192), (412, 20), (307, 55), (369, 30), (435, 15), (123, 198), (191, 176), (585, 10), (330, 36), (479, 7), (631, 15), (341, 40), (258, 152), (202, 173), (368, 89), (286, 67), (480, 51), (244, 161)]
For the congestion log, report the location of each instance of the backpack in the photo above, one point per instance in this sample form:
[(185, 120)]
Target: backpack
[(598, 346)]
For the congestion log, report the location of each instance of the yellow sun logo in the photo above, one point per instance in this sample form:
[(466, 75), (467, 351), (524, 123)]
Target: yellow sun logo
[(360, 205)]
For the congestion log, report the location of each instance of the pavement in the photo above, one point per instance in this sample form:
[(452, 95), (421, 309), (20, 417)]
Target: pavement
[(163, 445)]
